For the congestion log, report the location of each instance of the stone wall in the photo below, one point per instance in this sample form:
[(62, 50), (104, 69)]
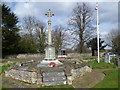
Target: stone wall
[(27, 56), (77, 73), (41, 56), (78, 55), (26, 76)]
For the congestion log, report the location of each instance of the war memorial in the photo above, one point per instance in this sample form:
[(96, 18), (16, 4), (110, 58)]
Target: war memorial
[(49, 71)]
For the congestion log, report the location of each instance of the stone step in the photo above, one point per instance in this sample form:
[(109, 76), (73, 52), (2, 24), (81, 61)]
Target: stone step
[(50, 79), (54, 83), (53, 74)]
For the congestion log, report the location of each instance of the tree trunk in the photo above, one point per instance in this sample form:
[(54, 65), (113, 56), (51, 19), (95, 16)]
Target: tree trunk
[(93, 53), (81, 40), (81, 47)]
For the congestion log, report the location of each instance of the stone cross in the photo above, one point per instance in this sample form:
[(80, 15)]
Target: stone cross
[(49, 14)]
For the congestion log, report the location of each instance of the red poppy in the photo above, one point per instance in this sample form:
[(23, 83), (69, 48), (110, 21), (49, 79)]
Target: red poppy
[(52, 64)]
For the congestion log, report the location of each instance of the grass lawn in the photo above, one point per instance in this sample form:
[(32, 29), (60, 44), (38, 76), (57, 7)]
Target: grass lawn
[(3, 68), (110, 81), (101, 65), (59, 86), (91, 57), (14, 59)]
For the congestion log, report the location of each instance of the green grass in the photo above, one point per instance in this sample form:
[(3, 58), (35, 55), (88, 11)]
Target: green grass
[(60, 86), (91, 57), (101, 65), (3, 68), (110, 80), (14, 59)]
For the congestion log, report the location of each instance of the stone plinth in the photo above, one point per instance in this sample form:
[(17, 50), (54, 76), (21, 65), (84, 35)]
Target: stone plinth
[(47, 76)]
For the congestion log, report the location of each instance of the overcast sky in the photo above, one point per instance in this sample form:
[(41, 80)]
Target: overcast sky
[(108, 12)]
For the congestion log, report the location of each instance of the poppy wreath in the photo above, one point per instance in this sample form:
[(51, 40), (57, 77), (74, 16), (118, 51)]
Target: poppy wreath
[(52, 64)]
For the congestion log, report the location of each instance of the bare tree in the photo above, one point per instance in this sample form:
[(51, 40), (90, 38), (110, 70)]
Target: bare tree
[(113, 40), (40, 34), (28, 25), (81, 24), (59, 37), (36, 32)]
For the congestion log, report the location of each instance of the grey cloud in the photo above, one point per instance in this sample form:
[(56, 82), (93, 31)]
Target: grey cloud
[(108, 11)]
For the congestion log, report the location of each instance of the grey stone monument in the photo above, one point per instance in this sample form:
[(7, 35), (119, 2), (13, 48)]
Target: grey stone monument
[(107, 58), (50, 50), (117, 61)]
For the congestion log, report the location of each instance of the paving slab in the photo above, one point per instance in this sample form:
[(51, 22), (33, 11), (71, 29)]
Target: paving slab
[(53, 83), (53, 74), (60, 78)]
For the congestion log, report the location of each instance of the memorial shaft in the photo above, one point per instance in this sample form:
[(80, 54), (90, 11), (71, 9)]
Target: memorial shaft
[(49, 15)]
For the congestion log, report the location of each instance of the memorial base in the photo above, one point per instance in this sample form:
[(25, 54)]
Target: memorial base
[(46, 63)]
